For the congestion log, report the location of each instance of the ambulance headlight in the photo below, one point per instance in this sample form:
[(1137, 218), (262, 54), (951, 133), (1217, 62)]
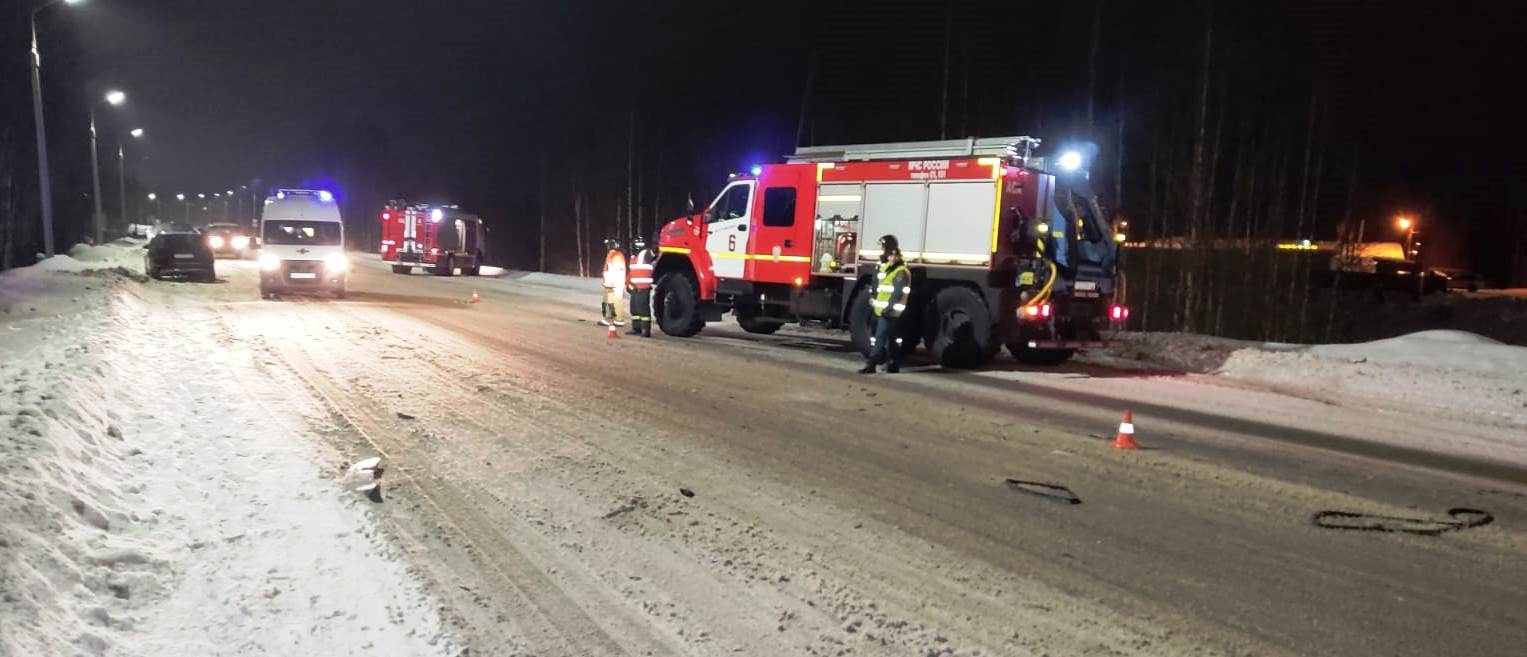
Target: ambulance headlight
[(240, 242), (1070, 160), (269, 262), (215, 241), (336, 263)]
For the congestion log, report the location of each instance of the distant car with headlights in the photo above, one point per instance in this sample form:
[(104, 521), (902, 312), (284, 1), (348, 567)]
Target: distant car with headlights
[(181, 254), (302, 244), (228, 240)]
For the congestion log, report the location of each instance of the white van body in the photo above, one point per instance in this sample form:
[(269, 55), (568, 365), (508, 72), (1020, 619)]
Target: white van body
[(302, 244)]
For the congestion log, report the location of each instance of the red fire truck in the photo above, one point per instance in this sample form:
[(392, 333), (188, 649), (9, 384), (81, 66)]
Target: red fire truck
[(1005, 248), (439, 239)]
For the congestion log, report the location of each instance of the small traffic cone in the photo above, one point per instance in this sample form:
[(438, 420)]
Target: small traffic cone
[(1126, 437), (614, 332), (475, 298)]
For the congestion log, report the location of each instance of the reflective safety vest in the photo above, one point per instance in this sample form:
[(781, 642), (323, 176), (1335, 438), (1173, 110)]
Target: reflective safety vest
[(639, 273), (893, 284), (614, 269)]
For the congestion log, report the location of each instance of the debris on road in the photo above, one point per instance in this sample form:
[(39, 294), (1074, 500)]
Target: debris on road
[(1052, 492), (1371, 522), (404, 416), (686, 492)]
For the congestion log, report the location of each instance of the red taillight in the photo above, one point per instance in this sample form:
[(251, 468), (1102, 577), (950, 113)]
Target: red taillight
[(1031, 311), (1044, 310), (1118, 313)]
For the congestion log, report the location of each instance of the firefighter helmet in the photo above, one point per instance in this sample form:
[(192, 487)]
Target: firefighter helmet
[(889, 245), (640, 243), (611, 243)]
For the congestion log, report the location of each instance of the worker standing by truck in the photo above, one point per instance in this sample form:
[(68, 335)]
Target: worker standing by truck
[(639, 284), (614, 280), (893, 284)]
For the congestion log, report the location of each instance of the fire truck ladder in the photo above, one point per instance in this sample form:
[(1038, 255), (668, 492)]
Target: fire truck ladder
[(1015, 148)]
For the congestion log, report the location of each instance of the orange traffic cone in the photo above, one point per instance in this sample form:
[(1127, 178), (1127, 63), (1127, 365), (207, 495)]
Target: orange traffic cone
[(614, 334), (475, 298), (1126, 437)]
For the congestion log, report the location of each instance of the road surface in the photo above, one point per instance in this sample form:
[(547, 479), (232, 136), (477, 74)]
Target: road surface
[(563, 493)]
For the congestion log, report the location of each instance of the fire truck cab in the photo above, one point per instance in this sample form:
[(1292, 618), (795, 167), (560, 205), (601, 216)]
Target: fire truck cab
[(439, 239), (1004, 250)]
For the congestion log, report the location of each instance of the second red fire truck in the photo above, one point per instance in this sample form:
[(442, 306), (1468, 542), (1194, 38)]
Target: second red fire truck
[(1005, 248), (439, 239)]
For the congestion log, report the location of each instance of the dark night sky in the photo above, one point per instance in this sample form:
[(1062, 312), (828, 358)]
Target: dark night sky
[(465, 97)]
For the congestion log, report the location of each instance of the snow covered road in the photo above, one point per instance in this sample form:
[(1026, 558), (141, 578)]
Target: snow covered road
[(554, 492)]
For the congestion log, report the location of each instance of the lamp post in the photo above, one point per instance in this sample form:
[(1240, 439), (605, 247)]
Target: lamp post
[(187, 204), (1409, 225), (44, 185), (137, 133), (99, 218), (152, 198)]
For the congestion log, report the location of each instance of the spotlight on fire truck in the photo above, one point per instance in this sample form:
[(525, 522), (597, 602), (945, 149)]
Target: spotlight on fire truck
[(436, 215), (1070, 160)]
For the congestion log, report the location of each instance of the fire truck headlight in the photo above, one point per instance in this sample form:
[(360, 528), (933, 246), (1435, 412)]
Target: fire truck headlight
[(215, 241), (269, 262), (1070, 160), (335, 263), (240, 242)]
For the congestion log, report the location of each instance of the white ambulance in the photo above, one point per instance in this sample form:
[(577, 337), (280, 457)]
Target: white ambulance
[(302, 244)]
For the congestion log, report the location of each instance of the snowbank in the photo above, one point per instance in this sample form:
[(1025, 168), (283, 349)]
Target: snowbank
[(1453, 373), (160, 495)]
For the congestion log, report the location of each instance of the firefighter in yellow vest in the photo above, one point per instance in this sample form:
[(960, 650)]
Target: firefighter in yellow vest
[(893, 284), (639, 284), (614, 280)]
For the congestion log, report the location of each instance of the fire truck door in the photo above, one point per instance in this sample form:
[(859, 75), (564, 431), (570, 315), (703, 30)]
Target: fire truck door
[(780, 246), (727, 229)]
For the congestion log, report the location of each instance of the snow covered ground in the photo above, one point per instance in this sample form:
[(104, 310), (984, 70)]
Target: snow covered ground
[(1454, 374), (161, 492)]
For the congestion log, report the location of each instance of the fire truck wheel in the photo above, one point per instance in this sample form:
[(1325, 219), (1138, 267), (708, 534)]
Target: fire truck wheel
[(402, 269), (958, 328), (677, 305), (475, 269), (759, 326), (859, 321), (445, 267)]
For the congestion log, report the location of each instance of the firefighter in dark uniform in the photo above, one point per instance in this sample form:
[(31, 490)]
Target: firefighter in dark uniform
[(639, 284), (893, 284)]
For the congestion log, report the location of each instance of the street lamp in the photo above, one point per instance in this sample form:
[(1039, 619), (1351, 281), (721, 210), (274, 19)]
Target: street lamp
[(187, 204), (44, 186), (137, 133), (113, 98)]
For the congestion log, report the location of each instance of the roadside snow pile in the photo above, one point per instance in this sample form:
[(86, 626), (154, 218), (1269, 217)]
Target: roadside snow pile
[(85, 257), (1453, 373), (158, 495)]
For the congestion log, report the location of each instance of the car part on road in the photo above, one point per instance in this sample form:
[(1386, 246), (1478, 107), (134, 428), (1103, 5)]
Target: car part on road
[(1052, 492), (1462, 518)]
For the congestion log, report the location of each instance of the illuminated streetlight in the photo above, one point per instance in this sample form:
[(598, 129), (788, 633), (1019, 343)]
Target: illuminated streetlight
[(180, 197), (113, 97), (1404, 222), (152, 196), (137, 133)]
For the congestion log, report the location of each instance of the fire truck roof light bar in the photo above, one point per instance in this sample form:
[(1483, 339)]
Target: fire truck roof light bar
[(1014, 147)]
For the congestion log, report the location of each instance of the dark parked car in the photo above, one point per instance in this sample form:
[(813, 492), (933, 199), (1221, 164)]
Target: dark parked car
[(230, 240), (1460, 279), (179, 254)]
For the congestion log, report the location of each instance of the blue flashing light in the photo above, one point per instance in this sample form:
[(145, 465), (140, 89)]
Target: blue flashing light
[(757, 170), (280, 195), (325, 196)]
